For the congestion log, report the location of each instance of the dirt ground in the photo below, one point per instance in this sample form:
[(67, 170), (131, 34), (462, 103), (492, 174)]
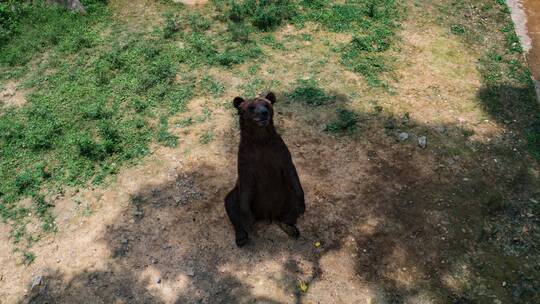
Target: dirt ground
[(11, 96), (386, 221)]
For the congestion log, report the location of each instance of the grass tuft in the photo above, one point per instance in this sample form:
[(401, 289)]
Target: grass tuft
[(345, 122), (164, 136), (265, 15), (309, 92)]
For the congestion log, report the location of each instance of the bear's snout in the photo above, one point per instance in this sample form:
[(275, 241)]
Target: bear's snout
[(262, 116)]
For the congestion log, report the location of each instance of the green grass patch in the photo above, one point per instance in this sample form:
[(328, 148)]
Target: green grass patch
[(372, 23), (210, 86), (265, 15), (163, 134), (42, 208), (309, 92), (95, 96), (10, 13), (457, 29), (344, 123), (40, 27)]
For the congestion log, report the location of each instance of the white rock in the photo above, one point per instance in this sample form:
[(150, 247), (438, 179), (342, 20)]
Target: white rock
[(403, 136), (422, 142)]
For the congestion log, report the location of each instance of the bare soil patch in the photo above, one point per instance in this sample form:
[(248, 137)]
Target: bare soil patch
[(11, 95)]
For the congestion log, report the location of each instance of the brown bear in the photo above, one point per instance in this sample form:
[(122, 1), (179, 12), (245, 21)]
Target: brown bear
[(268, 187)]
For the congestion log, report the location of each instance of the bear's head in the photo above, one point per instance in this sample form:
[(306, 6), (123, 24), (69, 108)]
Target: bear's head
[(257, 111)]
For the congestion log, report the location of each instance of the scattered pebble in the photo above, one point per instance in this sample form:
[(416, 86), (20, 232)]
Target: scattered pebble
[(403, 136), (422, 142), (158, 281)]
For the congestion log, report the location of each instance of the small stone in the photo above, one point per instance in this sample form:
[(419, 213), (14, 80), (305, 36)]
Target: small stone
[(158, 281), (166, 247), (403, 136), (422, 142), (190, 272), (154, 261), (503, 284)]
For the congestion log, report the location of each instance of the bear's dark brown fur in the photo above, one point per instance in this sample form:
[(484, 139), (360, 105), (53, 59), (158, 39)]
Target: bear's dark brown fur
[(268, 187)]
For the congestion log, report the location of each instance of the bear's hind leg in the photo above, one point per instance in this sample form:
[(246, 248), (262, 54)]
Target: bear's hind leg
[(235, 216), (290, 230), (288, 225)]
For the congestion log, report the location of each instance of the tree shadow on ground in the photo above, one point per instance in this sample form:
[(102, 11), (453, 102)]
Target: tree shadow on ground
[(516, 107), (410, 222)]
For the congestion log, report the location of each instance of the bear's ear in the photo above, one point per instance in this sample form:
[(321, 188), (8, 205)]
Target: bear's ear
[(270, 96), (237, 102)]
